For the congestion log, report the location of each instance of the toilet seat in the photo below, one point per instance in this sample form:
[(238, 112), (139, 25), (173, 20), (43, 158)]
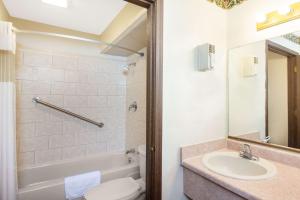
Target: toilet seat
[(118, 189)]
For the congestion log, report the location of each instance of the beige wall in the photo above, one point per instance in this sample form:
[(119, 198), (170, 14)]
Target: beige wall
[(194, 102), (35, 26), (278, 98), (3, 12), (136, 91)]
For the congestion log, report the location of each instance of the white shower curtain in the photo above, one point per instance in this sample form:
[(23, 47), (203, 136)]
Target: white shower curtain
[(8, 175), (8, 180)]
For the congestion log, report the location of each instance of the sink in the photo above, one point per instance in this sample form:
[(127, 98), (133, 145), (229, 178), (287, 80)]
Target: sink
[(230, 164)]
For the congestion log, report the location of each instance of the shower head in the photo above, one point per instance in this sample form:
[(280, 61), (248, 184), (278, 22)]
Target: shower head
[(126, 70)]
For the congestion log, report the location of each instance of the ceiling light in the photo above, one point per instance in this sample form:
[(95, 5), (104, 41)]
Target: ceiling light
[(59, 3), (284, 10), (261, 18)]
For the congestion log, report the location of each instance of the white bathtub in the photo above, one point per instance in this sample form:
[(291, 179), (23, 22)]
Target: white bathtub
[(47, 182)]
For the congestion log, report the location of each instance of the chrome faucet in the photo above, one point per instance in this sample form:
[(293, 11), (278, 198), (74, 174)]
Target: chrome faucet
[(267, 139), (247, 153), (130, 151)]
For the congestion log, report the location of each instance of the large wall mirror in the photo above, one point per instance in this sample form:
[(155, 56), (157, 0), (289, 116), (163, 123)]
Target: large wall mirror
[(264, 91)]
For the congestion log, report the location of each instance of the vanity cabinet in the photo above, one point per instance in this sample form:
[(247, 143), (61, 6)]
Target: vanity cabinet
[(197, 187)]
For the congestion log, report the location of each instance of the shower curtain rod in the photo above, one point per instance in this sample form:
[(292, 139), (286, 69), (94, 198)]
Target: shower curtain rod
[(77, 38)]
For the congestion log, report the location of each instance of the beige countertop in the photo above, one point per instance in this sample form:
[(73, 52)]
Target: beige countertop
[(285, 185)]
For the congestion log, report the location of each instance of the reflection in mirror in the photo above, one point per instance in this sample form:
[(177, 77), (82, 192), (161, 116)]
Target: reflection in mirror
[(264, 91)]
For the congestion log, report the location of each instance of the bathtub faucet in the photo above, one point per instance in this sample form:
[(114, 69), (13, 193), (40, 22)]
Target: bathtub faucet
[(130, 151)]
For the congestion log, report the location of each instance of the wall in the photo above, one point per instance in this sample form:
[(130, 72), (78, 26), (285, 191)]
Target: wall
[(3, 12), (136, 91), (278, 98), (86, 84), (247, 94), (242, 22), (194, 102)]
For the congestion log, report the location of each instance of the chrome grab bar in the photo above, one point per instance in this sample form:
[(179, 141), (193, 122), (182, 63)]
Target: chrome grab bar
[(38, 100)]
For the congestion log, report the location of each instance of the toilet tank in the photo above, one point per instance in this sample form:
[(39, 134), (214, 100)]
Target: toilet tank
[(142, 161)]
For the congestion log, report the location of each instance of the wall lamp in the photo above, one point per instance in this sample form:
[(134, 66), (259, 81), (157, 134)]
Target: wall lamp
[(280, 16)]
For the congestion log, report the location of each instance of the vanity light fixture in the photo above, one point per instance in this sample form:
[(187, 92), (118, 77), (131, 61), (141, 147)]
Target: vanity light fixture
[(59, 3), (282, 15)]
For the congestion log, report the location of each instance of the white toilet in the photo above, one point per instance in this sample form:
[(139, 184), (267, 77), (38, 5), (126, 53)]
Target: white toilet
[(123, 188)]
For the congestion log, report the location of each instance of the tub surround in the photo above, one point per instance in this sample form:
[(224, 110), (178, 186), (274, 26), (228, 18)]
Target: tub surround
[(275, 188), (92, 86)]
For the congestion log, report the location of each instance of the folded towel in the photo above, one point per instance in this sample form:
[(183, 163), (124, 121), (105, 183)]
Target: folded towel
[(7, 37), (77, 186)]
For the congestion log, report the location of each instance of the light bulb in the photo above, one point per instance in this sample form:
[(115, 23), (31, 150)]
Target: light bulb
[(284, 10), (261, 18)]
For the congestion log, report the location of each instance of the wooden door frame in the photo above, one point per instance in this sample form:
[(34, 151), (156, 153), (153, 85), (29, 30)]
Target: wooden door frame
[(291, 56), (154, 96)]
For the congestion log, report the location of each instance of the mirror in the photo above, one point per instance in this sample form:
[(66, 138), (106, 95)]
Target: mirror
[(264, 91)]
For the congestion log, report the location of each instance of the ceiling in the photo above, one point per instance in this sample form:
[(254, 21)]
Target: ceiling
[(135, 39), (90, 16)]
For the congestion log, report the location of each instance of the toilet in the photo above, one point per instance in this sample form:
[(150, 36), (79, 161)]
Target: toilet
[(122, 188)]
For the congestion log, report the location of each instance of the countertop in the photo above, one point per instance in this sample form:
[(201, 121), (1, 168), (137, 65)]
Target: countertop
[(285, 185)]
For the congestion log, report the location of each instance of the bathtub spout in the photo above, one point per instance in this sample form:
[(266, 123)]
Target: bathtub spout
[(130, 151)]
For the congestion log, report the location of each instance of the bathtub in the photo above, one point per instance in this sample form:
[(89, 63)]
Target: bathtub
[(46, 182)]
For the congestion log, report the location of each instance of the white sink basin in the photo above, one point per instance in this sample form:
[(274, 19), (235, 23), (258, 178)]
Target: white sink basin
[(232, 165)]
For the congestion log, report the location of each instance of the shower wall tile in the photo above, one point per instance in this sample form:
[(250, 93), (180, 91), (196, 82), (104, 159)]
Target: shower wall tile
[(57, 141), (63, 88), (86, 138), (112, 90), (35, 87), (136, 92), (49, 128), (97, 148), (25, 130), (48, 74), (92, 86), (87, 89), (75, 101), (36, 59), (48, 156), (65, 62), (74, 152), (26, 73), (100, 101), (34, 144), (26, 159), (71, 76)]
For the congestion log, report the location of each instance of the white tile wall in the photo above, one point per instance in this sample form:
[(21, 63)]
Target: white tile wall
[(135, 91), (92, 86)]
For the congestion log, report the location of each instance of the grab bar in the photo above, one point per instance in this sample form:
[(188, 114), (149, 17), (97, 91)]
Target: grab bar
[(38, 100)]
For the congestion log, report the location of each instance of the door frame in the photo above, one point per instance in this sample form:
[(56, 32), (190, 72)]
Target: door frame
[(292, 81), (154, 96)]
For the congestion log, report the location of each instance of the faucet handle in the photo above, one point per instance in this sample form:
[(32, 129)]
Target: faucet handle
[(246, 148)]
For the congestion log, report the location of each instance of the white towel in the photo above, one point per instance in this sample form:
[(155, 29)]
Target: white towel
[(7, 37), (77, 186)]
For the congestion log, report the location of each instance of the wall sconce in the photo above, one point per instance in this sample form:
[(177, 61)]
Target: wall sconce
[(282, 15)]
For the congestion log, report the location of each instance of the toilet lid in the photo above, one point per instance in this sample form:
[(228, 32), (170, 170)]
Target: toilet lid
[(118, 189)]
